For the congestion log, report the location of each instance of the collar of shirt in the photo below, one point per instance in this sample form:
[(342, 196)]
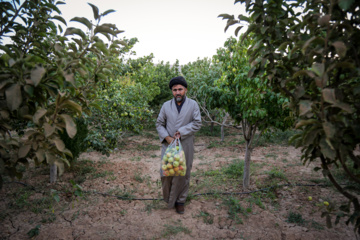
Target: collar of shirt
[(180, 106)]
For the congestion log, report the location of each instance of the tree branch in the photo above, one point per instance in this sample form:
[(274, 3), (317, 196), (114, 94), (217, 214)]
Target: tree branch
[(13, 18), (351, 197)]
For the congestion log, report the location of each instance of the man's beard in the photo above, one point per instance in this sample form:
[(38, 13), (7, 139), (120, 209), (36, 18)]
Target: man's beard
[(179, 98)]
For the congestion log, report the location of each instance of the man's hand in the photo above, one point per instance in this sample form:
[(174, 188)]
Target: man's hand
[(177, 135), (169, 139)]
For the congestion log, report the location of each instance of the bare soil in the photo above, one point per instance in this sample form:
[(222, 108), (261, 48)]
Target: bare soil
[(132, 170)]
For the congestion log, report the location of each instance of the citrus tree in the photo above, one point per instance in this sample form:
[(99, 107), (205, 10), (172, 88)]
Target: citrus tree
[(309, 51), (248, 100), (201, 75), (163, 72), (48, 76), (124, 104)]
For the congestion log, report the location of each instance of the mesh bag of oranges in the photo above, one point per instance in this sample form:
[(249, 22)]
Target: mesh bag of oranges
[(173, 162)]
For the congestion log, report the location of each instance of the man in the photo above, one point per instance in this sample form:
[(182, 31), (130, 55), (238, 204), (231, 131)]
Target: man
[(178, 118)]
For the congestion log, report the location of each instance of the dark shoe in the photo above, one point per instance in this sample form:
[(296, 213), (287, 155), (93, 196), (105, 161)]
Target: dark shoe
[(180, 209)]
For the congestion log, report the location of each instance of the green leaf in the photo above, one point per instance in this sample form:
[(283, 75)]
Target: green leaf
[(69, 124), (226, 16), (329, 129), (306, 122), (13, 97), (318, 68), (82, 20), (3, 83), (243, 18), (263, 29), (71, 105), (37, 74), (60, 145), (304, 72), (345, 4), (230, 23), (95, 11), (38, 115), (324, 20), (313, 40), (70, 78), (40, 154), (328, 95), (237, 30), (59, 18), (326, 149), (107, 12), (340, 48), (102, 47), (104, 30), (60, 166), (48, 129), (75, 31), (24, 150), (304, 107), (50, 158), (29, 90)]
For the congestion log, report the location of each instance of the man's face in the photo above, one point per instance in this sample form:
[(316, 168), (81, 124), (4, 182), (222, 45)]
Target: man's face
[(179, 92)]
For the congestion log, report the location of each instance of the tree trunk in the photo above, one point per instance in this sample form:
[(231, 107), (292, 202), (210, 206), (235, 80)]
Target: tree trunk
[(222, 133), (246, 179), (53, 173), (222, 127), (249, 130), (212, 127)]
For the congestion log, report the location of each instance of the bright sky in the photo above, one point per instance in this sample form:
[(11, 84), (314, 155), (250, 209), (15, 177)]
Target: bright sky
[(170, 29)]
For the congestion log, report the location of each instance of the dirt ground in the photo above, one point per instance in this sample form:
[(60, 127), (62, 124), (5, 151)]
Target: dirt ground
[(98, 212)]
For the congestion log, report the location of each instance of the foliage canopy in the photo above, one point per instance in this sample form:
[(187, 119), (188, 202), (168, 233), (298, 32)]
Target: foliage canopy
[(308, 50)]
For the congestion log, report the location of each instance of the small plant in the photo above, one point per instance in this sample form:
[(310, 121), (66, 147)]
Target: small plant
[(207, 217), (175, 228), (122, 194), (212, 173), (22, 199), (271, 155), (277, 173), (137, 159), (34, 232), (147, 147), (51, 217), (101, 174), (235, 169), (295, 218), (214, 144), (111, 178), (149, 206), (76, 145), (38, 205), (138, 177), (235, 209), (256, 198), (122, 212)]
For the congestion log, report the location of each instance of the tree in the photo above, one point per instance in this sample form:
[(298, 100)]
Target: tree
[(123, 103), (309, 51), (163, 72), (47, 77), (248, 100), (200, 75)]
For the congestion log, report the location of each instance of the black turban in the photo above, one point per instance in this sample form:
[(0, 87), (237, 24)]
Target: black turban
[(177, 80)]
